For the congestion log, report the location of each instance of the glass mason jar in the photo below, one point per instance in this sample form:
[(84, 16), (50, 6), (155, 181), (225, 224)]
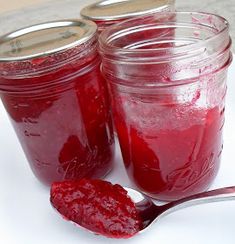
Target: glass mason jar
[(167, 76), (106, 13), (57, 100)]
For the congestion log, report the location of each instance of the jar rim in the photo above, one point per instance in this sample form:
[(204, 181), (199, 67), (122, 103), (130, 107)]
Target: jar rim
[(191, 57), (61, 41), (106, 10), (112, 33)]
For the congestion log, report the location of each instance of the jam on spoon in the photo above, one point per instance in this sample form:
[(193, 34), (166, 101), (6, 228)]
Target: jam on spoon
[(117, 212), (98, 206)]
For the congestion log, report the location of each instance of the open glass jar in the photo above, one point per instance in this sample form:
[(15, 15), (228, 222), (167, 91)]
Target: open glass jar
[(167, 76), (56, 98), (106, 13)]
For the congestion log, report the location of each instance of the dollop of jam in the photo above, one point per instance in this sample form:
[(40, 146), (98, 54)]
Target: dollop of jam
[(98, 206)]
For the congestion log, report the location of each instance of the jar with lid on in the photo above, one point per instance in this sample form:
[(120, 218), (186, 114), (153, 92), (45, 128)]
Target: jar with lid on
[(57, 100), (106, 13)]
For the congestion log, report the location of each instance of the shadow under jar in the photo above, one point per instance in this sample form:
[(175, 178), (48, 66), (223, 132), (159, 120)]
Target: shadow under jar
[(106, 13), (167, 76), (57, 100)]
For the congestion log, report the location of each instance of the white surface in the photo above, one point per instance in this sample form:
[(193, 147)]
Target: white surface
[(26, 216)]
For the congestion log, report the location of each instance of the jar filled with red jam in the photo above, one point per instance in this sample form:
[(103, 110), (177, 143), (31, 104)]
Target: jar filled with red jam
[(106, 13), (57, 100), (168, 86)]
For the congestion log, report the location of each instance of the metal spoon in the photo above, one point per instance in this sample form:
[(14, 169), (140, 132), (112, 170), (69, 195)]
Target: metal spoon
[(149, 212)]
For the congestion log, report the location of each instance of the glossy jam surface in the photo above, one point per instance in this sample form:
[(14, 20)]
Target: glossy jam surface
[(63, 121), (98, 206), (170, 151)]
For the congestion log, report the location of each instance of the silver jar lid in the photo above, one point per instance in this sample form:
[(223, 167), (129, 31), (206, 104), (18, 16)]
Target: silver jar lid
[(45, 39), (122, 9)]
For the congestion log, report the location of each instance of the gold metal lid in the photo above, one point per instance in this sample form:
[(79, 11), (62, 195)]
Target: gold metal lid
[(121, 9), (45, 39)]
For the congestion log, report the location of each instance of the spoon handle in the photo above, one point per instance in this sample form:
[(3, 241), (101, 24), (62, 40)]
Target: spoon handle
[(218, 195)]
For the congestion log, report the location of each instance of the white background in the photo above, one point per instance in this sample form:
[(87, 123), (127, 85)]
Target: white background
[(26, 216)]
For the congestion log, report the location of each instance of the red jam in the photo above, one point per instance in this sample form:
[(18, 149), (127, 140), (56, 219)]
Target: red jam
[(66, 134), (98, 206), (176, 157), (62, 116), (167, 75)]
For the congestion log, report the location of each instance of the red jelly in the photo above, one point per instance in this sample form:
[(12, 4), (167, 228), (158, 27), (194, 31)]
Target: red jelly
[(57, 100), (167, 75), (173, 160), (98, 206)]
